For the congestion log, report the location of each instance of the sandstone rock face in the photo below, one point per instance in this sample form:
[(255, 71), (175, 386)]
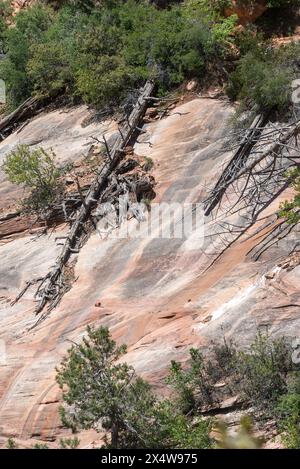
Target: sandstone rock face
[(154, 294), (63, 131), (247, 11)]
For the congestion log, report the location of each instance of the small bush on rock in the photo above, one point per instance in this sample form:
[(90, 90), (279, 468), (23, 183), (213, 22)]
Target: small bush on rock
[(36, 171)]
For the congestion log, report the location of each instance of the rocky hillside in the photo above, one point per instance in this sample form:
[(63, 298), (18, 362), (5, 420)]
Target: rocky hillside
[(156, 295), (160, 296)]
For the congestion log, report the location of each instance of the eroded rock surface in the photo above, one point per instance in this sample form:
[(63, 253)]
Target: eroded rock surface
[(155, 294), (247, 12)]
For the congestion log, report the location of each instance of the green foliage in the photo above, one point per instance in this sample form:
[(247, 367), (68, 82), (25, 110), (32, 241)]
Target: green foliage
[(99, 51), (218, 6), (263, 369), (149, 163), (99, 54), (5, 14), (40, 446), (176, 430), (262, 79), (20, 41), (178, 48), (69, 443), (103, 392), (291, 210), (35, 170), (258, 375), (192, 385), (287, 413), (243, 439), (11, 444)]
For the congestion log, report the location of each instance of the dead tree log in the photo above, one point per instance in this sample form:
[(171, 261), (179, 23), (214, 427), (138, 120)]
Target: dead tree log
[(24, 111), (237, 162), (247, 187), (259, 167), (51, 288)]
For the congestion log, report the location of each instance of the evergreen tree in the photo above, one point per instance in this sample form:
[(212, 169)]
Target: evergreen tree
[(104, 393)]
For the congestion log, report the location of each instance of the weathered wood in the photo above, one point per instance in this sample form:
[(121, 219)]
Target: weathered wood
[(49, 291), (237, 162), (255, 184), (24, 111)]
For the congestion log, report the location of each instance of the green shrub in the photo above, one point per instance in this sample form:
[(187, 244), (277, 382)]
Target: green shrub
[(287, 412), (54, 62), (5, 14), (193, 385), (28, 30), (166, 44), (176, 430), (11, 444), (101, 391), (34, 170), (99, 51), (40, 446), (99, 54), (261, 372), (258, 375), (262, 79), (291, 210), (69, 443)]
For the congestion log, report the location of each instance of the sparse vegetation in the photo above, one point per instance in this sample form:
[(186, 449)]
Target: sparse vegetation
[(263, 77), (69, 443), (258, 375), (37, 172), (103, 392), (40, 446), (149, 163), (11, 444), (290, 210), (288, 414)]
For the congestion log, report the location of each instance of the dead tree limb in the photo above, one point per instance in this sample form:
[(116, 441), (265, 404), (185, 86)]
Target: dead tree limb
[(24, 111), (254, 163), (255, 176), (237, 161), (52, 287)]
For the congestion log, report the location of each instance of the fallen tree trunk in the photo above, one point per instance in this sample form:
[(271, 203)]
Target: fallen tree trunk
[(274, 150), (255, 184), (24, 111), (236, 163), (51, 288)]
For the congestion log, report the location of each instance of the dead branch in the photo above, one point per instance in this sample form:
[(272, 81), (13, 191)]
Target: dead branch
[(236, 163), (25, 110), (53, 286)]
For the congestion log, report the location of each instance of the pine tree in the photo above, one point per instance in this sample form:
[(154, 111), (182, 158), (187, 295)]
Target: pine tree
[(102, 393)]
